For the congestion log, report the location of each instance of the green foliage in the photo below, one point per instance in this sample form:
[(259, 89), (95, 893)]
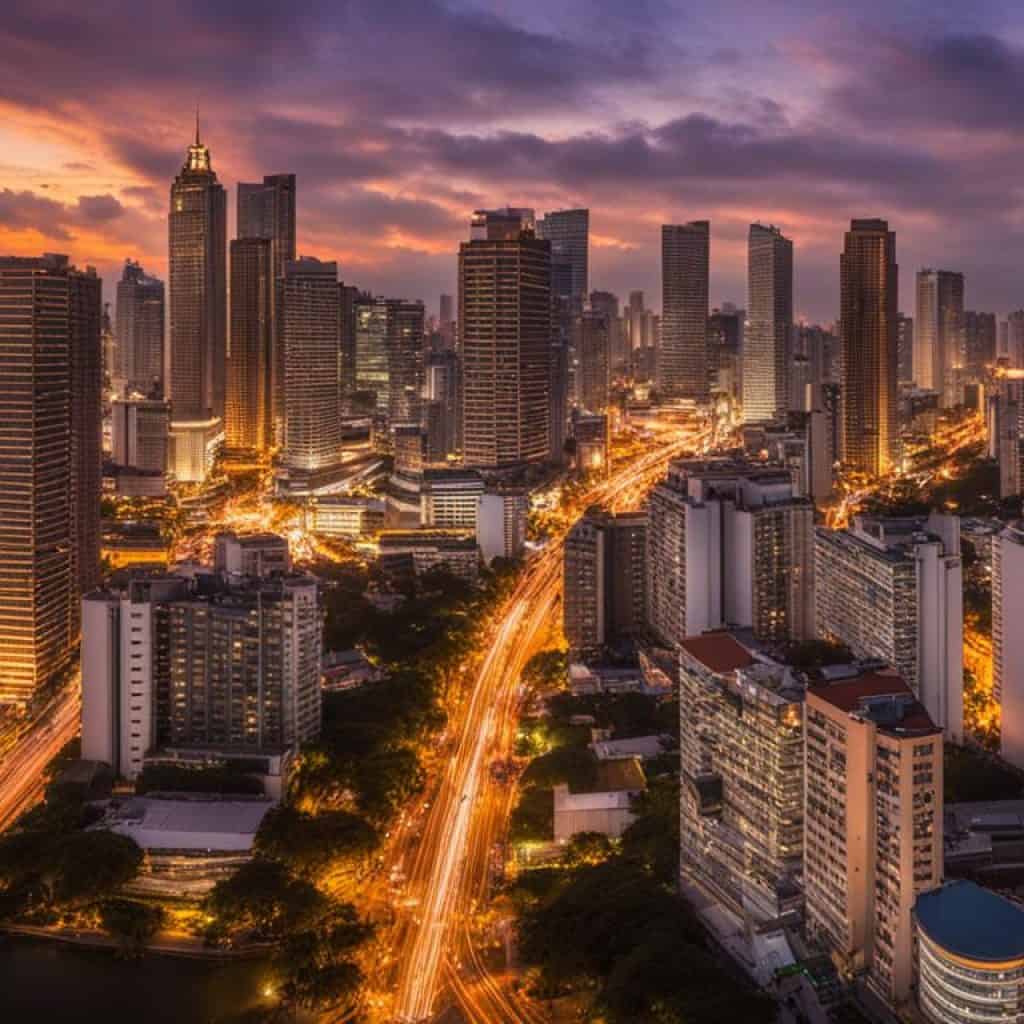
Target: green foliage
[(533, 820), (224, 779), (614, 927), (546, 669), (626, 714), (574, 766), (972, 775), (814, 655), (135, 924), (653, 838), (587, 848), (90, 866), (313, 844)]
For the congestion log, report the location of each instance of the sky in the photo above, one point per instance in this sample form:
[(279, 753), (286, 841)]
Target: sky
[(400, 117)]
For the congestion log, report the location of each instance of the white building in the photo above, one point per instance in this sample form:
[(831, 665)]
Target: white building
[(501, 526), (893, 589), (450, 499), (1008, 639), (254, 554)]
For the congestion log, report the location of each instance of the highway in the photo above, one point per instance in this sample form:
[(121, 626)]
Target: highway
[(436, 941)]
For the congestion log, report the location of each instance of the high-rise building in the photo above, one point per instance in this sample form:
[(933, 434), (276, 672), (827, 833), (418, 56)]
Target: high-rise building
[(139, 433), (501, 524), (568, 231), (50, 464), (893, 589), (939, 332), (505, 336), (1008, 639), (904, 348), (140, 330), (446, 321), (872, 822), (742, 794), (979, 341), (869, 280), (441, 405), (1006, 431), (683, 353), (769, 322), (389, 356), (725, 347), (604, 579), (197, 225), (309, 308), (729, 543), (591, 335), (230, 666), (249, 404)]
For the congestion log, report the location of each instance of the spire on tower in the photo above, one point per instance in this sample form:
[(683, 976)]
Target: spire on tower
[(198, 143)]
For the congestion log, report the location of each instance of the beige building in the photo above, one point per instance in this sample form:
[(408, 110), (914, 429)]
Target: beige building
[(872, 822)]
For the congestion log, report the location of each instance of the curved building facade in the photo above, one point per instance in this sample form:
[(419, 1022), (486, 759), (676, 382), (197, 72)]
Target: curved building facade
[(970, 956)]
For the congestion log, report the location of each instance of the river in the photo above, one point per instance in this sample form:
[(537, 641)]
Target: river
[(53, 983)]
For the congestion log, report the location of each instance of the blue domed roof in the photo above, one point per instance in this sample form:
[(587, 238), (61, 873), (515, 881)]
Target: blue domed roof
[(972, 922)]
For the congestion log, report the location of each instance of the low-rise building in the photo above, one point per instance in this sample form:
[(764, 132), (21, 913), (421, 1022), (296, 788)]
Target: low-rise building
[(345, 515), (605, 807), (969, 956), (455, 550), (254, 554)]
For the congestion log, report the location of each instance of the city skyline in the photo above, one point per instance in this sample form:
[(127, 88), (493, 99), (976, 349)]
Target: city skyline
[(789, 129)]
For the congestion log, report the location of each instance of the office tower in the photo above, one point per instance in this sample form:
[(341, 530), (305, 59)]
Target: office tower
[(309, 305), (125, 670), (821, 445), (969, 954), (1008, 639), (682, 356), (725, 346), (505, 335), (108, 347), (254, 554), (939, 332), (729, 543), (869, 279), (979, 341), (197, 225), (892, 589), (1012, 342), (371, 351), (591, 335), (50, 452), (349, 297), (139, 433), (769, 321), (501, 525), (441, 405), (568, 231), (559, 386), (603, 597), (249, 406), (140, 330), (450, 498), (872, 822), (389, 355), (904, 349), (742, 794), (446, 321), (1007, 430)]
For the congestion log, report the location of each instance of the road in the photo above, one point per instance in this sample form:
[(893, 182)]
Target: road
[(21, 770), (436, 946)]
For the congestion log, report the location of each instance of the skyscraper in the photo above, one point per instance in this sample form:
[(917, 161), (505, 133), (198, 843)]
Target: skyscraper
[(904, 348), (389, 355), (869, 280), (140, 330), (309, 306), (267, 210), (591, 360), (49, 464), (683, 353), (197, 225), (979, 341), (1008, 640), (939, 332), (568, 231), (249, 405), (505, 340), (769, 322)]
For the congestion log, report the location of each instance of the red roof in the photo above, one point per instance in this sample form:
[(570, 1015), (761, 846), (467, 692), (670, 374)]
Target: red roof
[(719, 652), (847, 694)]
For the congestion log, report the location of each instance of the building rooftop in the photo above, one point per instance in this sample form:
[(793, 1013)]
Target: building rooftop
[(719, 652), (882, 696), (188, 824), (972, 922)]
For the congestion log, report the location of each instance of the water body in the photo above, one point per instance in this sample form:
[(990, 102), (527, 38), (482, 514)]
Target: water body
[(54, 983)]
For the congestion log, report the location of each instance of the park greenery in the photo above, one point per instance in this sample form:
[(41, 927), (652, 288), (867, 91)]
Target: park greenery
[(971, 775)]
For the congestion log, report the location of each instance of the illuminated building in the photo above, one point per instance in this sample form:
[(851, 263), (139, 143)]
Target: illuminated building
[(249, 403), (1006, 430), (450, 498), (603, 566), (591, 334), (969, 955), (422, 550), (505, 337), (50, 465), (501, 525), (343, 515), (139, 432), (742, 793), (568, 231), (389, 356), (939, 332), (447, 324), (1008, 639), (904, 349), (253, 554), (682, 356), (309, 332), (729, 543), (769, 322), (441, 406), (872, 821), (607, 305), (140, 330), (979, 341), (869, 280), (892, 589), (197, 225)]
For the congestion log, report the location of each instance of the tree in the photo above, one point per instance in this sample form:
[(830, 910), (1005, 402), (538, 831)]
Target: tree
[(311, 845), (546, 669), (574, 766), (587, 848), (92, 865), (135, 924)]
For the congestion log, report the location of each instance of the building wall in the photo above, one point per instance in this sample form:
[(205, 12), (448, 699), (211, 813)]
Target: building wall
[(682, 356), (1008, 640)]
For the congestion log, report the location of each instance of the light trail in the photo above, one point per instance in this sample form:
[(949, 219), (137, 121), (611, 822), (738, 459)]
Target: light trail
[(435, 942)]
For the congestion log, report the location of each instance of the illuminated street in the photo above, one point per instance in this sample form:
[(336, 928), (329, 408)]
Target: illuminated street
[(436, 939)]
